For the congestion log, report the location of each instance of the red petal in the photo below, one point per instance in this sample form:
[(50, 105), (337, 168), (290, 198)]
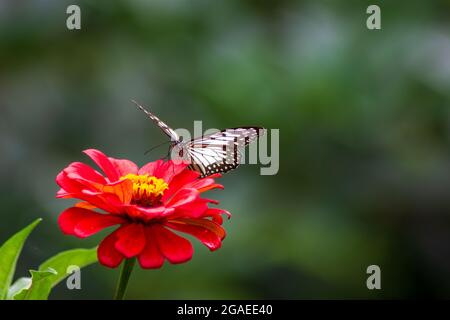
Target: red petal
[(72, 189), (104, 163), (207, 224), (169, 170), (210, 187), (217, 219), (131, 239), (150, 168), (83, 171), (207, 231), (95, 223), (69, 218), (107, 253), (215, 175), (147, 213), (64, 194), (179, 181), (105, 201), (204, 184), (216, 212), (85, 184), (183, 197), (150, 257), (77, 187), (123, 166), (175, 248), (163, 170), (83, 222), (194, 209), (69, 185)]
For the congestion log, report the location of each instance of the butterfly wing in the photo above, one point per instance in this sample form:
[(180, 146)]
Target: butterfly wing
[(212, 160), (219, 152), (164, 127)]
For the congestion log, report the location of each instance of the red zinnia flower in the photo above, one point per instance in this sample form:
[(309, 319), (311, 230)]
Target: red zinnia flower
[(148, 203)]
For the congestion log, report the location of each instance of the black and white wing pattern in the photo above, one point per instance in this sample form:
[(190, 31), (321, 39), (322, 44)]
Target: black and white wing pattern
[(219, 152), (164, 127), (214, 153)]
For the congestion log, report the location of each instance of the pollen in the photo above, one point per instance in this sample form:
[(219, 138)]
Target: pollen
[(147, 190)]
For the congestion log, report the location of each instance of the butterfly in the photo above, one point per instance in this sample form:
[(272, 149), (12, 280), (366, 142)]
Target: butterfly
[(210, 154)]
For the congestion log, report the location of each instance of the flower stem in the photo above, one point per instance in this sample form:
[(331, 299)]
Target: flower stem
[(125, 274)]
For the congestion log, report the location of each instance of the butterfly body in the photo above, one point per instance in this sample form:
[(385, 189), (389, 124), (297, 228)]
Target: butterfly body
[(214, 153)]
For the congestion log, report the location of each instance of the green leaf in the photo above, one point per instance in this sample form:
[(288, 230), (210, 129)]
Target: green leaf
[(9, 253), (41, 285), (65, 259), (16, 288), (50, 273)]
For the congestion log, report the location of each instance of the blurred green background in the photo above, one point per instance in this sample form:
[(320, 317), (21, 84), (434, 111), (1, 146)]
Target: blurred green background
[(364, 136)]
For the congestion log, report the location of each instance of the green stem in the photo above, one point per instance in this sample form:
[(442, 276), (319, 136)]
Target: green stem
[(125, 274)]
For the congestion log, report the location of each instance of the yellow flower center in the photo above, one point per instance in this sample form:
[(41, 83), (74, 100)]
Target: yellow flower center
[(147, 190)]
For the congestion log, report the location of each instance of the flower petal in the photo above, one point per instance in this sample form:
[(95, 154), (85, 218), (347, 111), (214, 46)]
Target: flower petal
[(163, 170), (122, 189), (216, 212), (207, 231), (130, 239), (67, 184), (179, 181), (83, 171), (107, 253), (194, 209), (150, 167), (205, 223), (63, 194), (183, 197), (105, 201), (104, 163), (85, 205), (175, 248), (95, 223), (69, 218), (187, 203), (150, 257), (83, 222), (204, 184), (138, 212), (124, 166), (169, 170)]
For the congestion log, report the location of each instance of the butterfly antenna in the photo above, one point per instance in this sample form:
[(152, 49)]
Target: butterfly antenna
[(142, 108), (157, 146)]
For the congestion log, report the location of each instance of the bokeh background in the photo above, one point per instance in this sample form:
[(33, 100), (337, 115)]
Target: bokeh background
[(364, 136)]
